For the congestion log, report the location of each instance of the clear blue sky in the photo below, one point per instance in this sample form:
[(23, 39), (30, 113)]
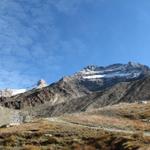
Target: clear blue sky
[(52, 38)]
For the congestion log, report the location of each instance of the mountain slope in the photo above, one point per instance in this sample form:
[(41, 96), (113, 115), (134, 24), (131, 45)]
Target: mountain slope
[(92, 87), (135, 91)]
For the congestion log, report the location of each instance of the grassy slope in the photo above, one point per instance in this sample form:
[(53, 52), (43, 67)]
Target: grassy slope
[(123, 116), (42, 135), (133, 111)]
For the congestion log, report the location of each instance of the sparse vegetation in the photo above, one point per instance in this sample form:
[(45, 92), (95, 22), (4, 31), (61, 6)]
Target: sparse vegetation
[(44, 135)]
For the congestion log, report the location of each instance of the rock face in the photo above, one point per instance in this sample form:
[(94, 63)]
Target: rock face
[(90, 88), (135, 91), (9, 116)]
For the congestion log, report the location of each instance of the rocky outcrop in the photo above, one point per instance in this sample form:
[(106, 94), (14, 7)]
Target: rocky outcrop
[(9, 116)]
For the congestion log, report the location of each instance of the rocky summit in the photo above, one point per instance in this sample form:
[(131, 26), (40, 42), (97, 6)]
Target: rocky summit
[(41, 83)]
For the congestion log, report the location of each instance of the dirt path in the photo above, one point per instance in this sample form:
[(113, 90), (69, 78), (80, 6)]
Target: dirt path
[(59, 120)]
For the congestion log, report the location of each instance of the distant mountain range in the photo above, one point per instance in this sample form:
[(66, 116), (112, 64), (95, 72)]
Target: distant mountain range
[(8, 92), (92, 87)]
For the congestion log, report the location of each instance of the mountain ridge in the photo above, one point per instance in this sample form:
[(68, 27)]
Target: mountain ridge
[(76, 93)]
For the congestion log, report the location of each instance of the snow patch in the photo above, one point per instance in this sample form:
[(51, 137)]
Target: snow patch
[(18, 91), (111, 75), (93, 76)]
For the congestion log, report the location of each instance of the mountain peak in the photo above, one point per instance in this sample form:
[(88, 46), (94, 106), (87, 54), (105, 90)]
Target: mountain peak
[(12, 92), (41, 83), (91, 67), (129, 71), (134, 64)]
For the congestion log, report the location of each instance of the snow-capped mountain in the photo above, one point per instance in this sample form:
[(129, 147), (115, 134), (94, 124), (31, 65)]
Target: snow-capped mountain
[(128, 71), (41, 83), (92, 78), (12, 92), (95, 78), (106, 85)]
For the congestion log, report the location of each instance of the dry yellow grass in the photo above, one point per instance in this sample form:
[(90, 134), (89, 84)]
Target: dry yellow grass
[(44, 135), (106, 121), (128, 110)]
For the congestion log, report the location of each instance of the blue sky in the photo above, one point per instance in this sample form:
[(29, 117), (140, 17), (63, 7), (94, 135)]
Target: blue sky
[(52, 38)]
